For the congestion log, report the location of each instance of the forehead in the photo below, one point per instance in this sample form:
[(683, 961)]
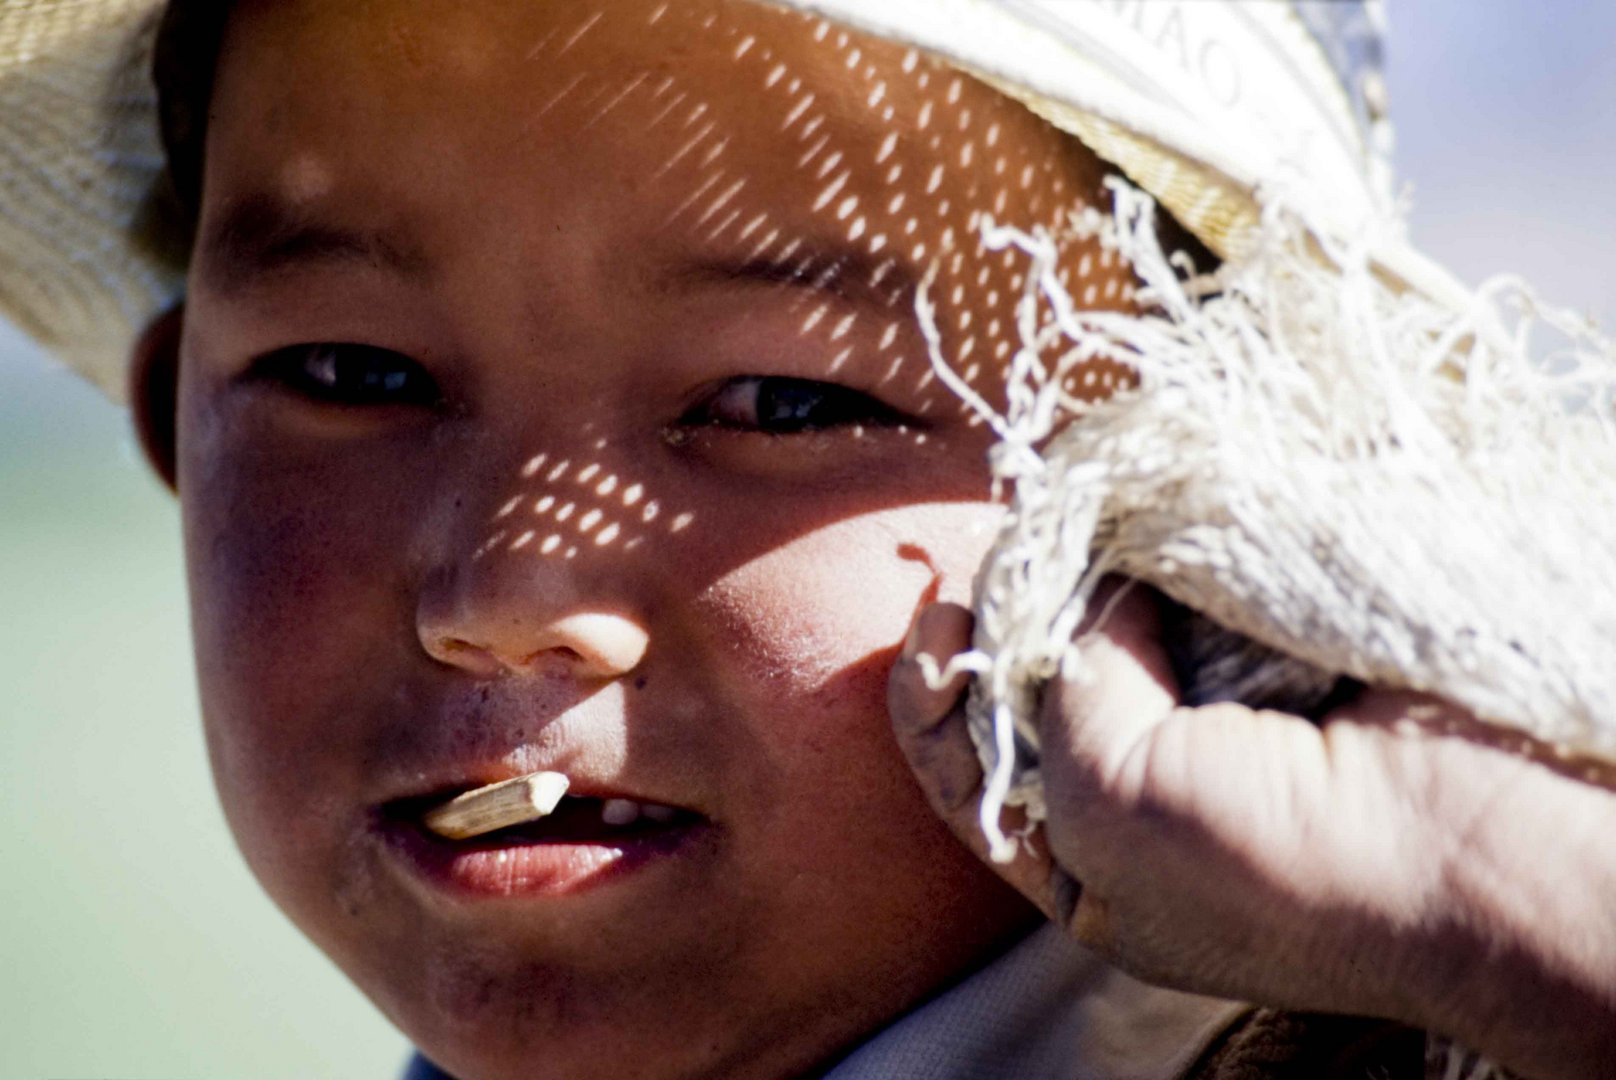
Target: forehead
[(607, 142), (730, 106), (738, 58)]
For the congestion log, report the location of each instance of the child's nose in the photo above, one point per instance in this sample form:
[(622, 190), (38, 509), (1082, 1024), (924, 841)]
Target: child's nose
[(495, 626), (588, 646)]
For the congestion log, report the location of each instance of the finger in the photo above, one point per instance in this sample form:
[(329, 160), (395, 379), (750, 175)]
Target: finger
[(931, 729), (945, 764), (939, 632), (1105, 704), (1095, 718)]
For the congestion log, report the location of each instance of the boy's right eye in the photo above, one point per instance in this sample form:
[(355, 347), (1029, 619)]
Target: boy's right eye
[(348, 375)]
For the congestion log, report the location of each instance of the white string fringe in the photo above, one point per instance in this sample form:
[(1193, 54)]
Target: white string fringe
[(1356, 479)]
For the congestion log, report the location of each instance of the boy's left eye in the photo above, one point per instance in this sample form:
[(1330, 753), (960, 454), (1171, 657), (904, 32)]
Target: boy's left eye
[(348, 375), (779, 405)]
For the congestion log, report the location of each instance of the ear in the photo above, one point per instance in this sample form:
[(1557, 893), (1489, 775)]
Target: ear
[(154, 376)]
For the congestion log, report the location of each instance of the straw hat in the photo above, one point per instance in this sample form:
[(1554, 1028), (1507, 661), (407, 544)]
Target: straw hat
[(1200, 104)]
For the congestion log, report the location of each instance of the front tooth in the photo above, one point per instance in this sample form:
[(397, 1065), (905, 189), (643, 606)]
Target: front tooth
[(620, 812), (658, 813)]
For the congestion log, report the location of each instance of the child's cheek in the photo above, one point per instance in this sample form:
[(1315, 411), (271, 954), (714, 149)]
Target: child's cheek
[(298, 609), (802, 639), (795, 620)]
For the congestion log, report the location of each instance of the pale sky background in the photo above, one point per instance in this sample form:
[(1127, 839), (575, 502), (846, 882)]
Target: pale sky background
[(134, 943)]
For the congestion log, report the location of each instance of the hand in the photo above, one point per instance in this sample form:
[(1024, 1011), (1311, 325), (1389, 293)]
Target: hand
[(1397, 859)]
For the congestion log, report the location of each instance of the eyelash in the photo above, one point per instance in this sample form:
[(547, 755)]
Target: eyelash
[(355, 375), (366, 376), (780, 405)]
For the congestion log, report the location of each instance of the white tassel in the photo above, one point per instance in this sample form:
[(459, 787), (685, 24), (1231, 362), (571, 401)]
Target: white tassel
[(1355, 478)]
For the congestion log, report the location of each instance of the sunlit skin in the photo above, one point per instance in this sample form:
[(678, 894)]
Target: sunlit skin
[(481, 474), (564, 526)]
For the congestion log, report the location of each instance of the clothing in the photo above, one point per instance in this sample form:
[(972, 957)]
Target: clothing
[(1051, 1008), (1048, 1007)]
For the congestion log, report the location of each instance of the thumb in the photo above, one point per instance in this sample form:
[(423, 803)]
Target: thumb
[(1096, 725), (1117, 689), (929, 721), (932, 732)]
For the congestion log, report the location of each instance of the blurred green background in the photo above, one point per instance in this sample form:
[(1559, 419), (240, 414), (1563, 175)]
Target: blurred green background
[(135, 944)]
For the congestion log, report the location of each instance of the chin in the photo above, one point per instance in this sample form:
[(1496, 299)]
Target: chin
[(535, 1020)]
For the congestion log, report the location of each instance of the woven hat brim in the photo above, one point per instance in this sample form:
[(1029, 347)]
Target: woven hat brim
[(85, 260), (89, 252)]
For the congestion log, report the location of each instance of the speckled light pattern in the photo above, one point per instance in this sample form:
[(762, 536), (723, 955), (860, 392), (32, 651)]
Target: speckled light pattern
[(899, 197)]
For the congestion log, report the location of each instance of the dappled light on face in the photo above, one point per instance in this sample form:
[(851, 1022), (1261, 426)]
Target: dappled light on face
[(631, 216), (850, 167), (835, 177), (568, 508)]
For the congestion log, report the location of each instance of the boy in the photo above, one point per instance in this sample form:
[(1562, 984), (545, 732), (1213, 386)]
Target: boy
[(547, 396), (684, 595)]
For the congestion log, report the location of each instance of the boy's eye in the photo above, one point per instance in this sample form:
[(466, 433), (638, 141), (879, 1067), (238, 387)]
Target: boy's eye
[(348, 375), (784, 406)]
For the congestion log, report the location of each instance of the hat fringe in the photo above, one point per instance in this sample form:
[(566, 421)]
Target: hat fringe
[(1360, 481)]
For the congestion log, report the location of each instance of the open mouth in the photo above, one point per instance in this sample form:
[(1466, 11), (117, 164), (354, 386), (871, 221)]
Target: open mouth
[(521, 838), (575, 820)]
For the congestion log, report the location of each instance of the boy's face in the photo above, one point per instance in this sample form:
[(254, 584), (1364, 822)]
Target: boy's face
[(552, 397)]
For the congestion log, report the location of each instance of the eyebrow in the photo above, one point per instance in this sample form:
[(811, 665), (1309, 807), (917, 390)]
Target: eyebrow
[(259, 235), (841, 273)]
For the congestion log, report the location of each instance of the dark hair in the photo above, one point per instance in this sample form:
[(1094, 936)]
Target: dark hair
[(183, 64)]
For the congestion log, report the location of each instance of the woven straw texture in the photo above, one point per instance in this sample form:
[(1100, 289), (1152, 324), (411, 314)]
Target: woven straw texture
[(86, 261), (79, 160)]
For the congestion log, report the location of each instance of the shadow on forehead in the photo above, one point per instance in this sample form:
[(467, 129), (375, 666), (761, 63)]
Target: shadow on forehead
[(895, 161), (772, 153)]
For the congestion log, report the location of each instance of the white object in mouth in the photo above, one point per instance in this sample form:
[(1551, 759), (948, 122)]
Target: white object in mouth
[(497, 806)]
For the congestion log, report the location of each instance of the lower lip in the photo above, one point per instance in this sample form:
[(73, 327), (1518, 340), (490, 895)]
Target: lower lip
[(472, 871)]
